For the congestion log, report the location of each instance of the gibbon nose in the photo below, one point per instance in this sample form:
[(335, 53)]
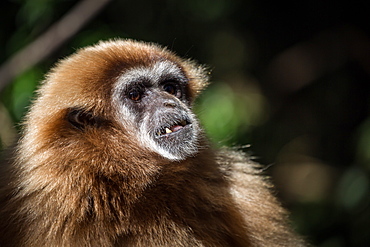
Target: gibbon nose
[(170, 103)]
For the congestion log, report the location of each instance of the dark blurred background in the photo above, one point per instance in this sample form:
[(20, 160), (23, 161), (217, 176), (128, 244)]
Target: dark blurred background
[(289, 78)]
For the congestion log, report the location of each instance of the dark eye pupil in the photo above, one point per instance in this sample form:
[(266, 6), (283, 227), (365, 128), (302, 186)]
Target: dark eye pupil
[(171, 89), (135, 95)]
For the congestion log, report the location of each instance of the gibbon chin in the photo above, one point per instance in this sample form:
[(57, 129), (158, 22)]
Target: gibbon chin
[(111, 154)]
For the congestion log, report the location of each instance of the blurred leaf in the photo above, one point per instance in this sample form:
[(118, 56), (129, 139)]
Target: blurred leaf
[(36, 12), (22, 91), (363, 146), (32, 18), (92, 36), (7, 133), (209, 9), (229, 112), (333, 242), (353, 188)]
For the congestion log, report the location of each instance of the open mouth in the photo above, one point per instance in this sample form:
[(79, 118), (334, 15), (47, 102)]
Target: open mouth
[(172, 128)]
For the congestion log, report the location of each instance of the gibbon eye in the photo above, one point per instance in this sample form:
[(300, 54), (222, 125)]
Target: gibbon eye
[(135, 95), (172, 89)]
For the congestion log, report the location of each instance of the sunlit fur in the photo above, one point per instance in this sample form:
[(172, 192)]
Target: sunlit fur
[(86, 173)]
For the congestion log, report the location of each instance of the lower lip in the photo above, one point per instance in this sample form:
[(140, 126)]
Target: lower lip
[(177, 130)]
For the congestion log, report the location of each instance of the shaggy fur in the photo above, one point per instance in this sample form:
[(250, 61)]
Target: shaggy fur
[(97, 186)]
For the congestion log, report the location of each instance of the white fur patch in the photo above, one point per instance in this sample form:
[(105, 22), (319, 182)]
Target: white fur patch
[(154, 74), (147, 141)]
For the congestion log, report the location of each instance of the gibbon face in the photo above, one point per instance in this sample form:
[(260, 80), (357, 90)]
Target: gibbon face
[(156, 100), (151, 92)]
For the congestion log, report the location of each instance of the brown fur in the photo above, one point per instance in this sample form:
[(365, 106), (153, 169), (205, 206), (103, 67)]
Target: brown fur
[(100, 188)]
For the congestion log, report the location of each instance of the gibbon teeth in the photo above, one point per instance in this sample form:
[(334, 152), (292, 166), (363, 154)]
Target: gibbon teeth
[(168, 131)]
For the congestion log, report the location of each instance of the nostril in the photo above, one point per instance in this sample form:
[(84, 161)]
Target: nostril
[(170, 103)]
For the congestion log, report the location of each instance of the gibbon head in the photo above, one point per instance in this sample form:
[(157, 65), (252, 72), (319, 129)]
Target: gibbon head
[(134, 94)]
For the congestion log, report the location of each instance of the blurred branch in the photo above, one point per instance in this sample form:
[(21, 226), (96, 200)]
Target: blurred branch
[(51, 40)]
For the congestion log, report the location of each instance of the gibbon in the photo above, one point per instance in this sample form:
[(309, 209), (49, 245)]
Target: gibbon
[(111, 154)]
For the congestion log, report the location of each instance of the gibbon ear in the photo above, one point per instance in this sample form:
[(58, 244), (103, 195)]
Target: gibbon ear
[(81, 118), (198, 76)]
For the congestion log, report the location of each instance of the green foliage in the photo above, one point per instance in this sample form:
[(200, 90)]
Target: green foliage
[(229, 112), (35, 12), (353, 189), (19, 95), (32, 18), (363, 146)]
